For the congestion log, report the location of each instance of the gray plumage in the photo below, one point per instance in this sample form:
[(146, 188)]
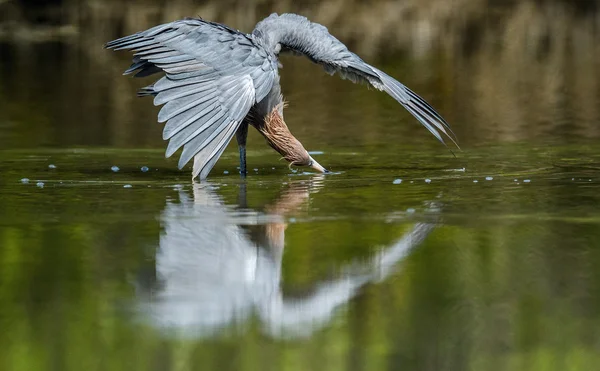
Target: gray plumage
[(211, 274), (215, 75)]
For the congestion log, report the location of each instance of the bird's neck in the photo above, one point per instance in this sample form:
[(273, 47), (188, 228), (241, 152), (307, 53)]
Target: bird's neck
[(279, 137), (291, 30)]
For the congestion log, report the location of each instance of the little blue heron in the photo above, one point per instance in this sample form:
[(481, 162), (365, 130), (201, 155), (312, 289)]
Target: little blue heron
[(219, 80)]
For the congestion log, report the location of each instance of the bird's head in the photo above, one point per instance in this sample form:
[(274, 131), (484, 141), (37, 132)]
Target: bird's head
[(281, 139)]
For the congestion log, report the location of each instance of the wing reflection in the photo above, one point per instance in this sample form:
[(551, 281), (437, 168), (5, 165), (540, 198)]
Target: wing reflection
[(216, 267)]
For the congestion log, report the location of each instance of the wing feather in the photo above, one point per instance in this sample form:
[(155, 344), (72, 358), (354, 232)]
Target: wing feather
[(181, 122), (172, 108), (213, 76), (129, 44), (149, 69), (205, 161), (426, 113), (216, 144), (300, 36), (190, 131), (169, 57), (202, 140), (155, 50), (181, 91)]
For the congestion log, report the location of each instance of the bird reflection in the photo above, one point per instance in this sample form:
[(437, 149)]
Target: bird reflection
[(217, 266)]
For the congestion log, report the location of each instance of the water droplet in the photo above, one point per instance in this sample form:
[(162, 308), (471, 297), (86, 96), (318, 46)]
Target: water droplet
[(115, 169), (255, 169), (397, 181), (127, 186), (144, 169), (226, 172), (315, 152), (410, 211), (489, 178), (572, 178), (427, 181), (292, 220), (526, 180), (51, 166), (272, 168), (515, 180), (476, 181), (25, 180), (40, 184)]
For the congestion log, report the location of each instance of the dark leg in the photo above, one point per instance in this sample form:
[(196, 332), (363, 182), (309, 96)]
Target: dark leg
[(243, 170), (241, 135), (242, 199)]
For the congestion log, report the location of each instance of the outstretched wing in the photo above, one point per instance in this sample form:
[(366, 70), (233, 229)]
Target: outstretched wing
[(213, 76), (294, 33)]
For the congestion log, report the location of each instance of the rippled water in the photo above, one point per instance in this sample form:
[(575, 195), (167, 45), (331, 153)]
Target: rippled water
[(406, 258), (299, 270)]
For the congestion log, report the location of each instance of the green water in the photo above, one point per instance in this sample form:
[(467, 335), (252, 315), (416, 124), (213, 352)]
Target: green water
[(489, 260), (490, 275)]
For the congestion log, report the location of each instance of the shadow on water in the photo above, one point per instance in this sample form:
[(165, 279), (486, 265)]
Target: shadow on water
[(216, 266)]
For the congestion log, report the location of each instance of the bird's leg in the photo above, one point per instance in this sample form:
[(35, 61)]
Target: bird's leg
[(241, 135), (242, 199), (243, 170)]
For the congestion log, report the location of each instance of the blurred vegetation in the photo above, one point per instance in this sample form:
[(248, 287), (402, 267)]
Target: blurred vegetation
[(370, 28), (497, 70)]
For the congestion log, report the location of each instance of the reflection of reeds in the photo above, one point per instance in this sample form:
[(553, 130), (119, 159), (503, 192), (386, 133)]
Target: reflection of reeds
[(513, 72)]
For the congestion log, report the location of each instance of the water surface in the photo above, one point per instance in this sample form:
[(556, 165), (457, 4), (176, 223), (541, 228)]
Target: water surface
[(487, 260)]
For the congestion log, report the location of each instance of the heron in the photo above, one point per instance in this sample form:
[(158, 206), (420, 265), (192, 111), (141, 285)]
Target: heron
[(215, 268), (218, 81)]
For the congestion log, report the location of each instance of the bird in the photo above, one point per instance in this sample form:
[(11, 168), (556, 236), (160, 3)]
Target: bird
[(215, 268), (218, 81)]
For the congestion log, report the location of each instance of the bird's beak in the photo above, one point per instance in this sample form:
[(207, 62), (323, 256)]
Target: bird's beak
[(315, 165)]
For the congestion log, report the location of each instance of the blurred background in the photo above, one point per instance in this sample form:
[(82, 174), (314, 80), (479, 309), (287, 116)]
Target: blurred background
[(97, 264), (515, 70)]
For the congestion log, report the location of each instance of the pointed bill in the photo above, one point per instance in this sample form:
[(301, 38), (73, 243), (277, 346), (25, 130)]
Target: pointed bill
[(315, 165)]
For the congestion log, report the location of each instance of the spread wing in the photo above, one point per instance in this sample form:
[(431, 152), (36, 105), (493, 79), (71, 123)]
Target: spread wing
[(296, 34), (213, 76)]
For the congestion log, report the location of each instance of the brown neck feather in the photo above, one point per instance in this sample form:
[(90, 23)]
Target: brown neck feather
[(279, 137)]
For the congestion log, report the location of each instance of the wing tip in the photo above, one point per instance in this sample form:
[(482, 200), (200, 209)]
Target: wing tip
[(419, 108)]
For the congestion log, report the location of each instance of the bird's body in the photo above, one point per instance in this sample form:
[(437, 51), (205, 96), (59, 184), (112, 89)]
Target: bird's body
[(218, 81)]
